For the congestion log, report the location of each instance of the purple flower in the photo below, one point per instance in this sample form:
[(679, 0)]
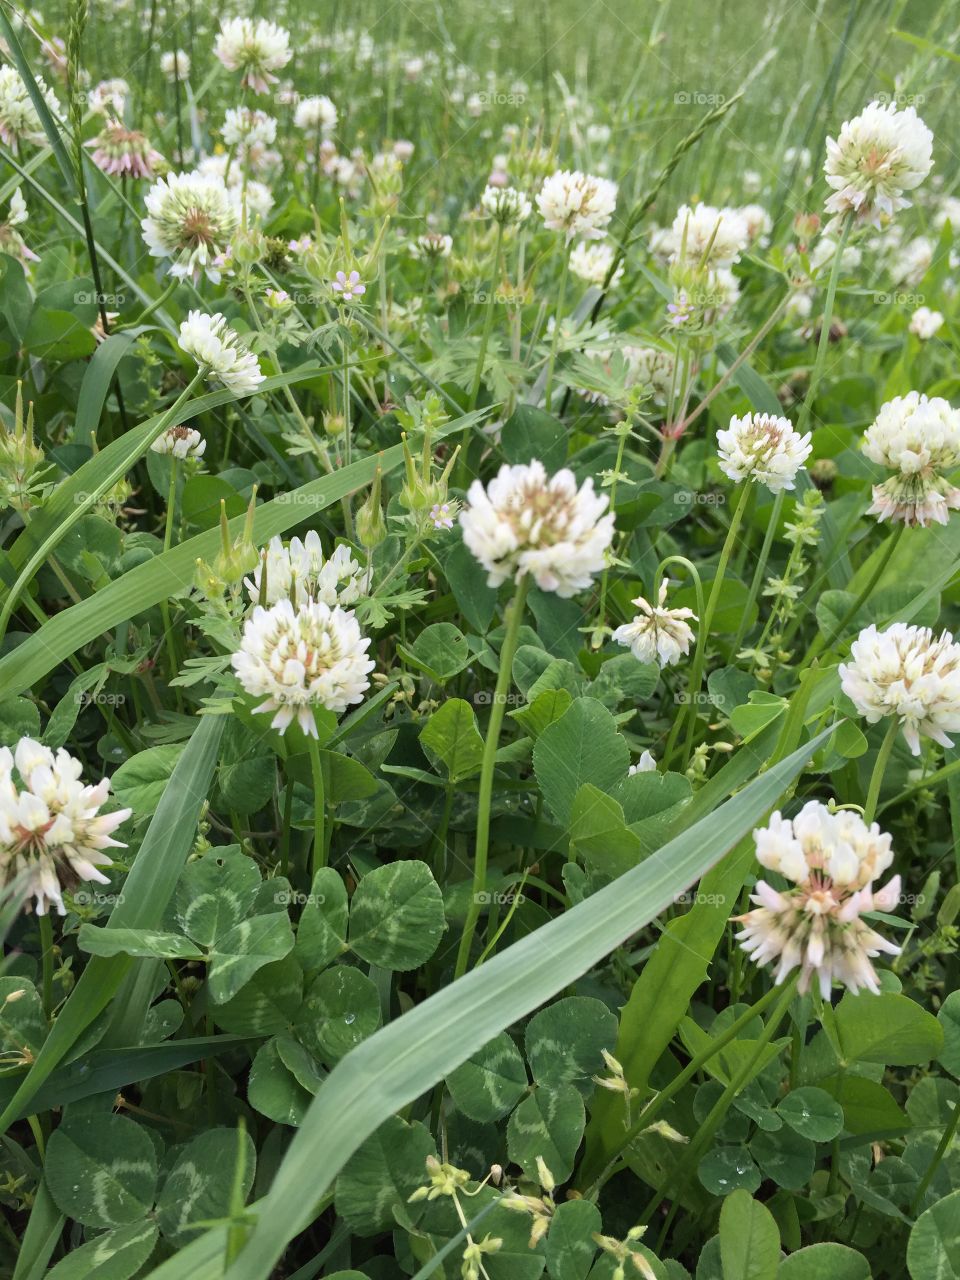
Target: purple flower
[(348, 286)]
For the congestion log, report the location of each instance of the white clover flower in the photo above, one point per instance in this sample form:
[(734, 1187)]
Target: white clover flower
[(825, 250), (832, 859), (175, 65), (51, 832), (577, 203), (432, 244), (646, 764), (918, 438), (301, 572), (248, 127), (190, 220), (109, 96), (124, 152), (657, 634), (591, 262), (506, 205), (904, 672), (218, 349), (19, 121), (180, 442), (878, 156), (255, 47), (651, 367), (11, 241), (926, 323), (758, 222), (764, 448), (303, 658), (403, 149), (526, 522), (912, 262), (316, 115), (715, 237)]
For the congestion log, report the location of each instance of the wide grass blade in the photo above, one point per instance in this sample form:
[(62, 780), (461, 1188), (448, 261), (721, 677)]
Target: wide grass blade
[(174, 570), (146, 892), (409, 1056)]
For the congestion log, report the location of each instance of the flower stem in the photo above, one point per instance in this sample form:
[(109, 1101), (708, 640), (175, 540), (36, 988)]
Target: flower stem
[(556, 327), (943, 1146), (319, 810), (513, 619), (696, 1063), (680, 1175), (703, 630), (817, 371), (758, 572), (487, 319), (167, 543), (46, 960), (880, 764), (819, 643)]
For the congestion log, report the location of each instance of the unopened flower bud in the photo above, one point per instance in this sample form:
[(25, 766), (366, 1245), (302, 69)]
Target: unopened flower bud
[(370, 524)]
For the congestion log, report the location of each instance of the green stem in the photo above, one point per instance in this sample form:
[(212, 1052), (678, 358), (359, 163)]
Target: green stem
[(89, 501), (819, 643), (880, 764), (487, 319), (319, 809), (703, 629), (513, 619), (943, 1146), (660, 1100), (758, 572), (704, 1136), (167, 543), (817, 372), (46, 949), (556, 326)]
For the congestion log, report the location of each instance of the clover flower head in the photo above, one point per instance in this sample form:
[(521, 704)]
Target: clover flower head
[(765, 448), (832, 858), (526, 522), (657, 634), (52, 834), (904, 671)]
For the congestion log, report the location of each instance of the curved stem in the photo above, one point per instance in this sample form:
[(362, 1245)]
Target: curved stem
[(513, 619), (167, 544), (880, 764), (46, 962), (90, 500), (943, 1146), (319, 810)]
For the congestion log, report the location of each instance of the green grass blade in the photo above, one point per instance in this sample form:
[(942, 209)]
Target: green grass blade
[(410, 1055), (97, 379), (50, 126), (146, 892), (166, 574)]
